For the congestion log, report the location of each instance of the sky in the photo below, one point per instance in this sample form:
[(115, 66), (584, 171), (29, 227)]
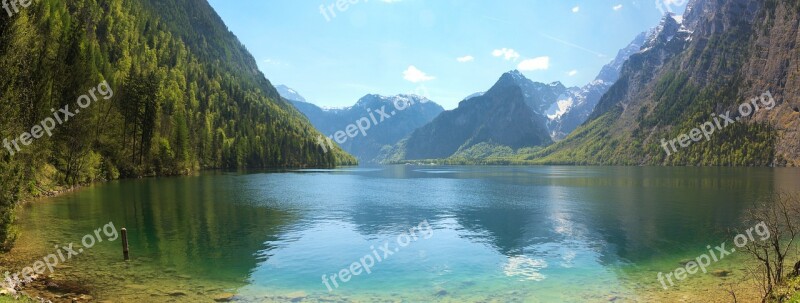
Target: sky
[(333, 52)]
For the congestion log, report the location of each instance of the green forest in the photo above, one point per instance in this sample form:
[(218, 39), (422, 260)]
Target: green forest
[(187, 96)]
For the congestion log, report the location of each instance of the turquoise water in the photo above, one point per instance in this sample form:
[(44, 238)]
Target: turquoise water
[(525, 234)]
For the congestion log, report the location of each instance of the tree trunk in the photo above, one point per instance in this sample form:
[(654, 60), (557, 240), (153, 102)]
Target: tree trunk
[(796, 272)]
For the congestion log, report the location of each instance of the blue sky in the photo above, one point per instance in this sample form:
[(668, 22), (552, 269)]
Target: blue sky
[(444, 49)]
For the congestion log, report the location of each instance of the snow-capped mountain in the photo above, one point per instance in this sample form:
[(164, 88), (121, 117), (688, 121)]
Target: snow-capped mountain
[(576, 104)]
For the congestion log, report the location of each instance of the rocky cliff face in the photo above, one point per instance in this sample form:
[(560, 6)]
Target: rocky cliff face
[(723, 54), (582, 101)]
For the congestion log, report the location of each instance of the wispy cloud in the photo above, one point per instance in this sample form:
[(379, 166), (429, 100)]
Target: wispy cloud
[(413, 74), (598, 54), (576, 9), (465, 59), (538, 63), (572, 73), (506, 53), (617, 7)]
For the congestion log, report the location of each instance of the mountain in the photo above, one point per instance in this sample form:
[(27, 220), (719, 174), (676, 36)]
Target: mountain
[(692, 71), (180, 93), (401, 121), (571, 111), (478, 94), (289, 94), (560, 109), (512, 114)]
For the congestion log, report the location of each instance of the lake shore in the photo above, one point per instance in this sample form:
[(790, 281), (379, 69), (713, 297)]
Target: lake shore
[(173, 260), (120, 280)]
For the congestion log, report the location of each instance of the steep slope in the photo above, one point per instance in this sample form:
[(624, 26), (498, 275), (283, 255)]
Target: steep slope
[(387, 132), (179, 93), (583, 100), (725, 53), (289, 94), (511, 113)]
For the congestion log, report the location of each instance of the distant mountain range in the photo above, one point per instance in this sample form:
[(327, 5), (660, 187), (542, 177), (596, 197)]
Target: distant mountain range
[(665, 83), (511, 113), (379, 136), (515, 113)]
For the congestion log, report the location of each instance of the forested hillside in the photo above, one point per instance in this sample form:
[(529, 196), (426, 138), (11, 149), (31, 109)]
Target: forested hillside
[(722, 55), (186, 96)]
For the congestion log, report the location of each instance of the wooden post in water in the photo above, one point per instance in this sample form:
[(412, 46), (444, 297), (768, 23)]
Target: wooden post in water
[(125, 243)]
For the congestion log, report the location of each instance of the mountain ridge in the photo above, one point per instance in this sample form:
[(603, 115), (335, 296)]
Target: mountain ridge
[(371, 143), (515, 106), (722, 54), (584, 99)]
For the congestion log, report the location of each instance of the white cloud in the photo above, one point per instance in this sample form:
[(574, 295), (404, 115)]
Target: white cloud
[(415, 75), (617, 7), (576, 9), (506, 53), (539, 63), (465, 59), (388, 1), (572, 73)]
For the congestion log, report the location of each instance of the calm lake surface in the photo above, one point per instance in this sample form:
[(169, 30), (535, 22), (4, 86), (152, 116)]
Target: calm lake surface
[(504, 234)]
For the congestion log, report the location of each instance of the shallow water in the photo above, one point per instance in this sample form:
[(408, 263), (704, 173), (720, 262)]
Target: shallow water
[(505, 234)]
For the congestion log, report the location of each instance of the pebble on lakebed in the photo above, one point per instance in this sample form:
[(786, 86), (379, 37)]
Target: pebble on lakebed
[(721, 273), (224, 297)]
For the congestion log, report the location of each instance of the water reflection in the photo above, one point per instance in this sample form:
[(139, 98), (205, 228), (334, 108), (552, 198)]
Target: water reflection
[(544, 233)]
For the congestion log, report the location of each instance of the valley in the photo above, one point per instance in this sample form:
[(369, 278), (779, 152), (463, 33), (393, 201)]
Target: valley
[(606, 151)]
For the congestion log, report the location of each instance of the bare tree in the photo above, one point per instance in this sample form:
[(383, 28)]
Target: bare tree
[(780, 215)]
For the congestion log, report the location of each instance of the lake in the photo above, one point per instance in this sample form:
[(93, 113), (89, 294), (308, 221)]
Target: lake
[(434, 233)]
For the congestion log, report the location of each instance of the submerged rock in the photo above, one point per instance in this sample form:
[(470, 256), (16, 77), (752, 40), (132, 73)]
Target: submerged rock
[(297, 296), (177, 293), (224, 297), (721, 273)]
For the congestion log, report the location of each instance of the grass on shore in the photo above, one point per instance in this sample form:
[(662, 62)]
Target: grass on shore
[(8, 299)]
